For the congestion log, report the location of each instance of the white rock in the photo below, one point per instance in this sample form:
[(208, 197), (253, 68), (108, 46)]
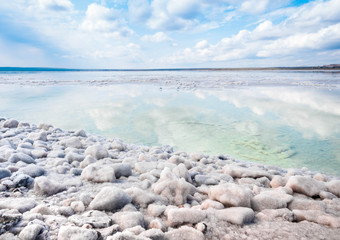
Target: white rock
[(16, 157), (35, 136), (236, 215), (97, 151), (154, 234), (73, 142), (156, 210), (208, 203), (72, 156), (94, 221), (39, 153), (110, 199), (122, 169), (184, 233), (318, 217), (78, 206), (266, 200), (20, 204), (278, 181), (30, 232), (76, 233), (240, 172), (144, 167), (87, 161), (10, 123), (140, 197), (46, 186), (182, 172), (231, 195), (80, 133), (305, 185), (33, 170), (178, 216), (85, 198), (334, 187), (306, 204), (98, 172), (128, 219), (4, 173)]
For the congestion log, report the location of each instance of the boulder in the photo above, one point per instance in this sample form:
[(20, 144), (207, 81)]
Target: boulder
[(10, 123), (305, 185), (16, 157), (231, 195), (334, 187), (306, 204), (270, 200), (35, 136), (98, 172), (241, 172), (4, 173), (122, 169), (47, 187), (72, 142), (110, 199), (22, 180), (76, 233), (184, 233), (97, 151), (128, 219), (236, 215), (141, 197), (20, 204), (30, 232), (179, 216), (33, 170), (318, 217)]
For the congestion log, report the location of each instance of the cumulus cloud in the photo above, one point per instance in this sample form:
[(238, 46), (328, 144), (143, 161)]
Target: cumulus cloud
[(56, 5), (157, 37), (105, 20), (139, 10), (254, 6)]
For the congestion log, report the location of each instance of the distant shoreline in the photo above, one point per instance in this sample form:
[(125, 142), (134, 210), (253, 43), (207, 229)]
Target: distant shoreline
[(45, 69)]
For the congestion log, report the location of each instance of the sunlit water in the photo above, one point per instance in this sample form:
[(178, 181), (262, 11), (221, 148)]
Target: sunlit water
[(289, 119)]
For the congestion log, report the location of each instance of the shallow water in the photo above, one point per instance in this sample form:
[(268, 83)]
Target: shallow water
[(284, 118)]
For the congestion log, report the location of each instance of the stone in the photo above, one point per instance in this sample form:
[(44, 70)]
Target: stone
[(278, 181), (128, 219), (72, 156), (270, 200), (184, 233), (144, 167), (44, 126), (182, 172), (204, 179), (78, 206), (98, 172), (334, 187), (39, 153), (272, 214), (179, 216), (236, 215), (97, 151), (76, 233), (7, 221), (318, 217), (94, 221), (38, 136), (153, 234), (85, 198), (110, 199), (241, 172), (20, 204), (72, 142), (208, 203), (33, 170), (10, 123), (231, 195), (4, 173), (141, 197), (16, 157), (306, 204), (22, 180), (156, 210), (122, 169), (30, 232), (80, 133), (46, 186), (305, 185), (87, 161)]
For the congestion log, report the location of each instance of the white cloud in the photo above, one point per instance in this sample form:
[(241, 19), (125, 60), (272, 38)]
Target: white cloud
[(105, 20), (56, 5), (254, 6), (157, 37), (139, 10)]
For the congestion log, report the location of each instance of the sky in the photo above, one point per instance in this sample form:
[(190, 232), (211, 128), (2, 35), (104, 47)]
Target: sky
[(169, 33)]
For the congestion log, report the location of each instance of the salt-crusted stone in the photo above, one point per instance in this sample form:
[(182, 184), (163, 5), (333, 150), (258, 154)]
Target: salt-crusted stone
[(97, 151), (39, 153), (240, 172), (22, 180), (334, 187), (75, 233), (87, 161), (10, 123), (41, 209), (320, 177), (128, 219), (154, 234), (4, 173), (30, 232), (208, 203), (85, 198), (156, 210), (236, 215), (46, 186), (140, 197), (178, 216), (182, 172), (305, 204), (267, 200), (33, 170), (122, 169), (98, 172), (80, 133), (78, 206), (35, 136), (272, 214), (278, 181), (327, 195), (44, 126), (231, 195), (305, 185), (205, 179), (158, 224), (73, 142), (94, 221), (16, 157), (318, 217), (20, 204), (72, 156), (143, 167), (110, 199), (174, 189), (184, 233)]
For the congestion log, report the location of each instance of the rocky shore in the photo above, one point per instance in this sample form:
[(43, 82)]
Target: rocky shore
[(57, 184)]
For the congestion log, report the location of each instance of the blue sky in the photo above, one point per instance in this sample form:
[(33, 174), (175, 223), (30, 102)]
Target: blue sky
[(169, 33)]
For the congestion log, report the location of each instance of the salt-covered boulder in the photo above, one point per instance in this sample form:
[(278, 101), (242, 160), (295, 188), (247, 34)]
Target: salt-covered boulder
[(270, 200), (22, 180), (4, 173), (73, 142), (278, 181), (272, 214), (318, 217), (38, 153), (75, 233), (72, 156), (44, 126), (97, 151), (154, 234), (85, 198), (241, 172), (16, 157), (110, 199), (143, 167), (122, 169), (179, 216), (182, 172), (35, 136), (94, 221), (30, 232), (174, 189), (80, 133), (236, 215), (46, 186), (33, 170), (10, 123), (20, 204), (205, 179), (141, 197), (305, 185), (334, 187), (156, 210), (98, 172), (306, 204), (184, 233), (78, 206), (231, 195), (208, 203), (128, 219)]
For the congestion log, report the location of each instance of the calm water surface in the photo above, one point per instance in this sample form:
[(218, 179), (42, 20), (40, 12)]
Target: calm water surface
[(284, 118)]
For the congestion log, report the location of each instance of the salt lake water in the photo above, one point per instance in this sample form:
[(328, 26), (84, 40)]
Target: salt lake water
[(285, 118)]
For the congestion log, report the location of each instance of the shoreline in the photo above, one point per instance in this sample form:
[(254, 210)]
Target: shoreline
[(59, 184)]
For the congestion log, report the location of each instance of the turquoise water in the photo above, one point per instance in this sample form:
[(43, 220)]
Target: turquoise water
[(253, 116)]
